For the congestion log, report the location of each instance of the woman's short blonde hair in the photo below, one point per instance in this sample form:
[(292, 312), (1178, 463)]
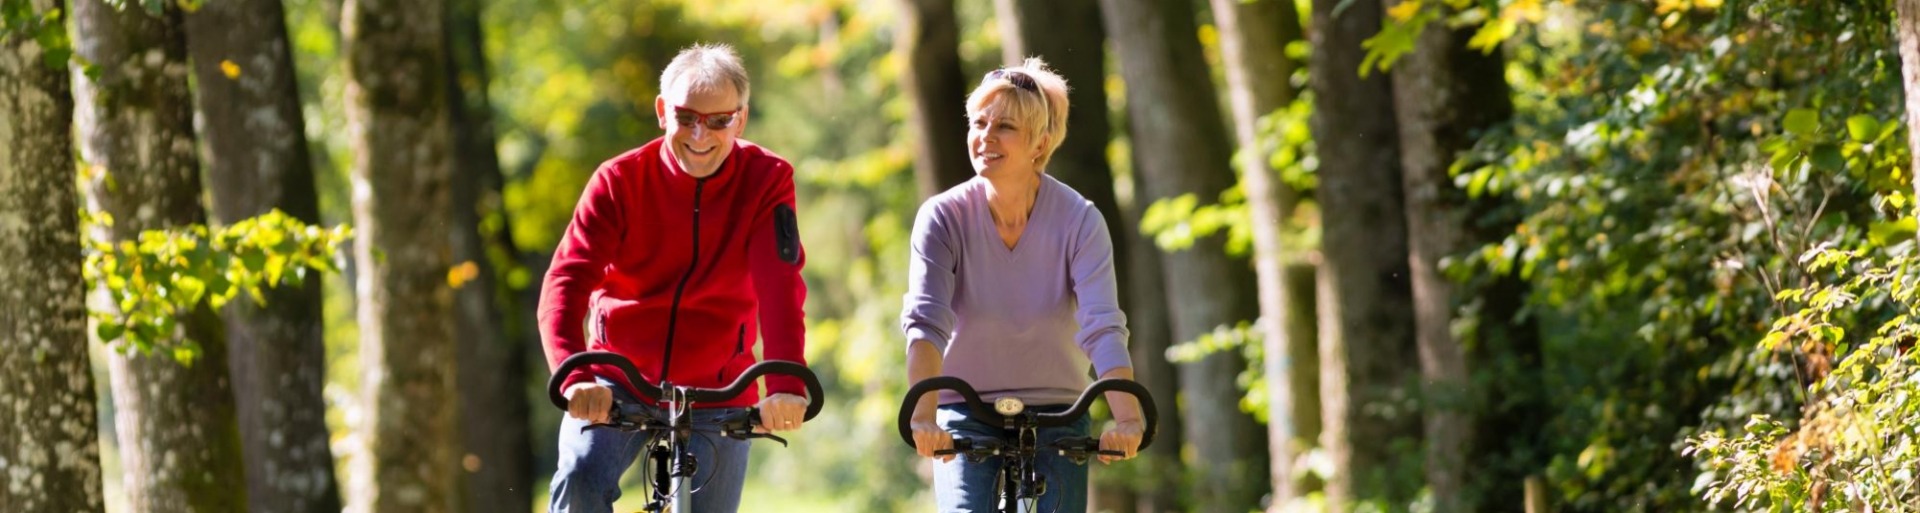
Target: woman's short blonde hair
[(1046, 107)]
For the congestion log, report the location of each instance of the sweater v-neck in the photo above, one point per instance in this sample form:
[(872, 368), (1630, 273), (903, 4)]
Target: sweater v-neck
[(993, 227)]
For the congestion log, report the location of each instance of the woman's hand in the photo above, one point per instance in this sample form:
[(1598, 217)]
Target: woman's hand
[(589, 401), (1124, 436), (928, 437)]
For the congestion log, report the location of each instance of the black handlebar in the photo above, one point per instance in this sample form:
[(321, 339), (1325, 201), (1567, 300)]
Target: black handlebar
[(815, 396), (984, 413)]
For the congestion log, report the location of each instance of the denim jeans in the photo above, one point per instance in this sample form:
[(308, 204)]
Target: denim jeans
[(962, 486), (591, 462)]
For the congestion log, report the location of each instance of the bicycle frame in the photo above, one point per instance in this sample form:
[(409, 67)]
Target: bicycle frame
[(677, 469), (1020, 482)]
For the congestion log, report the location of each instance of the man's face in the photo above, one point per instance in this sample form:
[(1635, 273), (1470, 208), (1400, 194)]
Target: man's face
[(701, 125)]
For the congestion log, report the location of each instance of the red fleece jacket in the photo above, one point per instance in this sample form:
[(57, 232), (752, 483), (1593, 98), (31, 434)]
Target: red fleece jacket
[(657, 260)]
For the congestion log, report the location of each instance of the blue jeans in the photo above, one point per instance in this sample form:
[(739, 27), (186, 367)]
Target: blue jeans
[(961, 486), (591, 462)]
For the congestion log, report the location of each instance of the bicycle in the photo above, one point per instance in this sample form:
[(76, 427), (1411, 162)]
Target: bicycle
[(671, 460), (1020, 484)]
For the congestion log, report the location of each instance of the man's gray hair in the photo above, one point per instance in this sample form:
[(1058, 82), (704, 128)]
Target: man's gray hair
[(705, 67)]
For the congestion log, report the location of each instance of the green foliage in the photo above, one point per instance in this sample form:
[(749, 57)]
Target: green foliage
[(165, 273), (1668, 161), (1858, 445), (1177, 223), (1497, 21), (1243, 337), (46, 28)]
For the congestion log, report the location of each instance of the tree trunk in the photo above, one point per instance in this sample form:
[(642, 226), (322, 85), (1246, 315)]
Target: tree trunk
[(1077, 52), (1151, 332), (179, 436), (498, 454), (1303, 329), (1445, 94), (1907, 24), (257, 161), (398, 110), (46, 384), (1181, 147), (1253, 44), (1367, 353), (930, 42)]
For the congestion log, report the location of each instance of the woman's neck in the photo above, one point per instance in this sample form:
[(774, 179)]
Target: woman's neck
[(1011, 197)]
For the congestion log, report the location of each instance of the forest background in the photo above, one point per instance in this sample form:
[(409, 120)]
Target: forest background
[(1396, 255)]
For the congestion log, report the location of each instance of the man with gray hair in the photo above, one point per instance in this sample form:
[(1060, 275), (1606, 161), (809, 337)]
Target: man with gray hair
[(677, 251)]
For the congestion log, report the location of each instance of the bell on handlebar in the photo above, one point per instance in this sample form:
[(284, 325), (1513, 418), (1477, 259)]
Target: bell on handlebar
[(1009, 406)]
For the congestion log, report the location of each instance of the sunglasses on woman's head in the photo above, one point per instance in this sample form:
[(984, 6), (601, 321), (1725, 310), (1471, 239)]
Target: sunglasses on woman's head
[(1024, 81), (1018, 79), (715, 121)]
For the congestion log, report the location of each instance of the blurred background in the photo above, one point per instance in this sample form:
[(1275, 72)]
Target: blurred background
[(1377, 255)]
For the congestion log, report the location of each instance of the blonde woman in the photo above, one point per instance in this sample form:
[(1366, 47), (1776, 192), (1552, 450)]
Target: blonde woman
[(1011, 288)]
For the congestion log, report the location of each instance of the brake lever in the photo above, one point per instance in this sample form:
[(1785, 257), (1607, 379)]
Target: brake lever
[(746, 433), (624, 427), (975, 450), (1079, 450)]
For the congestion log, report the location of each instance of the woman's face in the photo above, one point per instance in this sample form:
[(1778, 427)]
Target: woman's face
[(997, 144)]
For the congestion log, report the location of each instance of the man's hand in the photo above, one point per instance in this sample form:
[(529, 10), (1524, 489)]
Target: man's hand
[(590, 402), (928, 437), (1124, 436), (782, 412)]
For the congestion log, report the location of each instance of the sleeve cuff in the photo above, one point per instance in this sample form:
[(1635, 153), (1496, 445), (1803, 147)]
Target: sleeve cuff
[(787, 385), (918, 332), (1109, 353), (579, 375)]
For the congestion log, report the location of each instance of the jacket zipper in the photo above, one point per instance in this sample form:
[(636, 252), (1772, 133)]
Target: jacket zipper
[(673, 314)]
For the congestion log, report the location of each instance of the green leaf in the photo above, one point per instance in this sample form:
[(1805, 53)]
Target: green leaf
[(1783, 160), (1826, 157), (1394, 40), (1773, 341), (1862, 127), (1803, 122), (253, 262), (1492, 34), (53, 38), (109, 330), (191, 288), (1889, 233)]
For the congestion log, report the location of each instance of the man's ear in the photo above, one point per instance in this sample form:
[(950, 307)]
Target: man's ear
[(740, 125), (660, 111)]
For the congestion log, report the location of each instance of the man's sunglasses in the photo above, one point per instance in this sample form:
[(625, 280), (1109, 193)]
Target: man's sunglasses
[(714, 121)]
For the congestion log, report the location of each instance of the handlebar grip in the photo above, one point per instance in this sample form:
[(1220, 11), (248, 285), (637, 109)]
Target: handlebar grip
[(961, 445), (585, 358), (972, 399), (816, 396), (1151, 415)]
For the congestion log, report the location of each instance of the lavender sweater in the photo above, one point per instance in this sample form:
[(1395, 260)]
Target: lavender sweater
[(1024, 322)]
